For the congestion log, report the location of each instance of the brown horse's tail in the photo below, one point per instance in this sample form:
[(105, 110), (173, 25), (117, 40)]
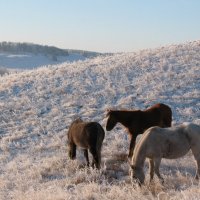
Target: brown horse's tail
[(167, 115), (100, 138)]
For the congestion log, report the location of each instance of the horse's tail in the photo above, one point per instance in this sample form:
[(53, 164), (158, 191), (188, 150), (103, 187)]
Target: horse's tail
[(100, 138)]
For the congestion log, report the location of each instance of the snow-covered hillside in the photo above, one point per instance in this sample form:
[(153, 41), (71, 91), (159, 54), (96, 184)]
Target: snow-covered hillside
[(31, 61), (21, 56), (37, 107)]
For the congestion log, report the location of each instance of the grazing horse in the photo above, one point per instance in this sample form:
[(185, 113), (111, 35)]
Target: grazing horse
[(87, 135), (137, 121), (171, 143)]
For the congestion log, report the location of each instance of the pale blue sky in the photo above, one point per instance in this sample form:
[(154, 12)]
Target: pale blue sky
[(100, 25)]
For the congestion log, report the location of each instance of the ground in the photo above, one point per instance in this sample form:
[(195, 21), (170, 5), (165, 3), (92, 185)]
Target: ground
[(37, 107)]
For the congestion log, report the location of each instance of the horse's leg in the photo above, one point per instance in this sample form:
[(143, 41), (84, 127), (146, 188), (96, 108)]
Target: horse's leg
[(86, 156), (132, 146), (99, 155), (157, 165), (198, 169), (197, 158), (72, 150), (99, 158), (151, 164), (95, 161)]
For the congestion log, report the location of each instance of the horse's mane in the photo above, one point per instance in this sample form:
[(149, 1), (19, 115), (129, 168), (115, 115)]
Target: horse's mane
[(110, 111)]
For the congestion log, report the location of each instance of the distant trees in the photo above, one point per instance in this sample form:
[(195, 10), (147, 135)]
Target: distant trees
[(51, 51), (3, 71), (84, 53)]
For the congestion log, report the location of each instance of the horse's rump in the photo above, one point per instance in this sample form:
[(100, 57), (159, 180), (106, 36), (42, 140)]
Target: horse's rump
[(89, 136)]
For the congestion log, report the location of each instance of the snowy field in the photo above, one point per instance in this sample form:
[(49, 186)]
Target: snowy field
[(37, 107), (31, 61)]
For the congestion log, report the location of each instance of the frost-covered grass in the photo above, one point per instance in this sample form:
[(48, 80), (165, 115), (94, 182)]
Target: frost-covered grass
[(37, 107)]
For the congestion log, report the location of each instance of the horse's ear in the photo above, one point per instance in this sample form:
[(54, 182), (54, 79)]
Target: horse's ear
[(108, 112), (77, 118)]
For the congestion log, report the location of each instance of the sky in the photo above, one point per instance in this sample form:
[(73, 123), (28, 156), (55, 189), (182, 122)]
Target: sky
[(100, 25)]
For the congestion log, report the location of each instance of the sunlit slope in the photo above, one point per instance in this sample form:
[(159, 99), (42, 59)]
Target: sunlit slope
[(37, 107)]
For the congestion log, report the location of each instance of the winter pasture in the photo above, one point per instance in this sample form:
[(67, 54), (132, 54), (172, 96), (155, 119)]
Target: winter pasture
[(38, 105), (31, 61), (16, 56)]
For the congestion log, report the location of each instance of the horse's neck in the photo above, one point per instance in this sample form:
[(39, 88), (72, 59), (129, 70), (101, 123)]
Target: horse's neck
[(138, 161), (139, 155), (124, 117)]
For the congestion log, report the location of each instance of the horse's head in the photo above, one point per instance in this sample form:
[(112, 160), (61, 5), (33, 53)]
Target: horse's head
[(112, 121), (137, 175)]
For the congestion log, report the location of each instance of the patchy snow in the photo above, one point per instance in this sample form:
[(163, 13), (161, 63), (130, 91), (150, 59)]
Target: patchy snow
[(38, 105), (31, 61)]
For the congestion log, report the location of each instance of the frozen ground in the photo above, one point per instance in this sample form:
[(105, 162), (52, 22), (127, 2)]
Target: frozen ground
[(37, 107), (31, 61)]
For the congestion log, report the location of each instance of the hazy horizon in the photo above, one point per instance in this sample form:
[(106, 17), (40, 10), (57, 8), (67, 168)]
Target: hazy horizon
[(101, 26)]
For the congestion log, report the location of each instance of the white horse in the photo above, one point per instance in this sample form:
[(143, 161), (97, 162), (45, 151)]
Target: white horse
[(171, 143)]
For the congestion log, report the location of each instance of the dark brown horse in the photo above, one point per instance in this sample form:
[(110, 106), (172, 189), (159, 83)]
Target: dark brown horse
[(137, 121), (87, 135)]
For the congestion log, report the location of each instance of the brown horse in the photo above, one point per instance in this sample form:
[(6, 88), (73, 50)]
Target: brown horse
[(137, 121), (86, 135)]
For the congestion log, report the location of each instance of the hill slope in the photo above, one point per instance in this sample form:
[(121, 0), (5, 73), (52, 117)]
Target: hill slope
[(29, 56), (37, 107)]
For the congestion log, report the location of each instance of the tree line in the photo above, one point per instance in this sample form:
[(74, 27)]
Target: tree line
[(13, 47)]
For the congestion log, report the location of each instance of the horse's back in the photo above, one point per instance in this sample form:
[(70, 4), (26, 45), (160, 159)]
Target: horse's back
[(194, 128), (167, 132), (193, 131), (169, 142)]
